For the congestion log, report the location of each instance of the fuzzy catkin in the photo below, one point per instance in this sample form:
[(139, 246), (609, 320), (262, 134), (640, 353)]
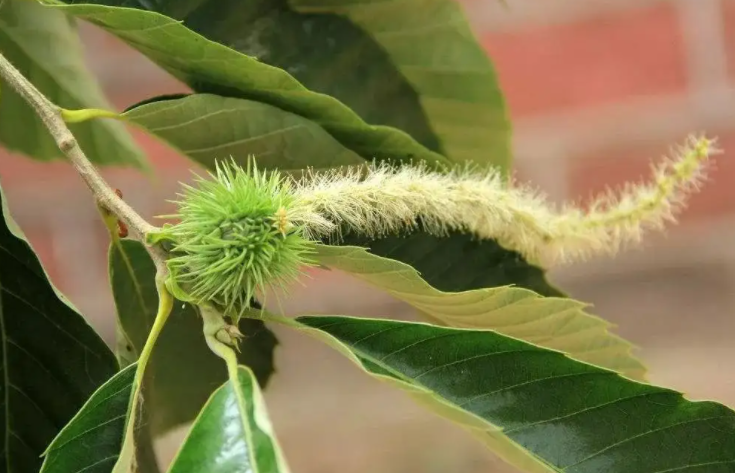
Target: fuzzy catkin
[(245, 229), (389, 201)]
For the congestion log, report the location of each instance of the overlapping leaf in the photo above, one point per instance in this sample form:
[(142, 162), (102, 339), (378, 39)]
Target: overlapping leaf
[(552, 322), (458, 262), (564, 415), (450, 72), (467, 111), (182, 372), (44, 46), (232, 433), (92, 440), (444, 94), (209, 127), (211, 67), (51, 361)]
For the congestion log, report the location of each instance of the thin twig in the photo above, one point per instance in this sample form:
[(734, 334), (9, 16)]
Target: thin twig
[(51, 115)]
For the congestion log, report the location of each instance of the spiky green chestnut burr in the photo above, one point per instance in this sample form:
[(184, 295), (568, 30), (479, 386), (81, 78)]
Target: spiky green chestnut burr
[(234, 237)]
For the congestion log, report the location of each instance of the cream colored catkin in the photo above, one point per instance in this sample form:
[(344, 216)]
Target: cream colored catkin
[(484, 204)]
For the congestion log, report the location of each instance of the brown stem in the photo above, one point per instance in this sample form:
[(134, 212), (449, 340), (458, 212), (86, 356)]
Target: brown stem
[(50, 114)]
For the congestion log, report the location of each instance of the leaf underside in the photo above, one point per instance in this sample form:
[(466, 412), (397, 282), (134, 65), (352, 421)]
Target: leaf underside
[(211, 67), (209, 128), (552, 322)]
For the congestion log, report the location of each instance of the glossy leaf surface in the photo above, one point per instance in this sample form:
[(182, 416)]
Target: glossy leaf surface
[(182, 371), (567, 416), (44, 46), (51, 360), (92, 440), (232, 434)]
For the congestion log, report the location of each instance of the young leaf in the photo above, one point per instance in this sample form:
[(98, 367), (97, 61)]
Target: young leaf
[(450, 72), (43, 44), (232, 433), (211, 67), (91, 441), (51, 361), (537, 408), (209, 127), (176, 394), (552, 322)]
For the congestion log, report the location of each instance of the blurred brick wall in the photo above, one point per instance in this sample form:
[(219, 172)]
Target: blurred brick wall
[(596, 89)]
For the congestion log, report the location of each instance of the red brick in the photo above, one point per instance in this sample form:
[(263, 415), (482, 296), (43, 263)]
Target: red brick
[(600, 60), (613, 167), (19, 170), (728, 15)]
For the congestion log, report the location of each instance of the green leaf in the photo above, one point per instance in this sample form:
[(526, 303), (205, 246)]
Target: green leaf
[(211, 67), (444, 94), (458, 262), (44, 46), (232, 433), (182, 372), (451, 73), (208, 127), (91, 441), (565, 415), (52, 360), (552, 322)]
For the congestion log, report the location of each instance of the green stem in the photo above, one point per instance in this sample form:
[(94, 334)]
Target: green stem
[(165, 304), (82, 115)]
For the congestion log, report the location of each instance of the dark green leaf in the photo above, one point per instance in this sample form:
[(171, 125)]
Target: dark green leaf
[(232, 433), (52, 361), (566, 415), (214, 68), (208, 127), (91, 442), (44, 46), (182, 372)]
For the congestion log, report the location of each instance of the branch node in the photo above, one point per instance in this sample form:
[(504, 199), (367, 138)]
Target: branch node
[(67, 143)]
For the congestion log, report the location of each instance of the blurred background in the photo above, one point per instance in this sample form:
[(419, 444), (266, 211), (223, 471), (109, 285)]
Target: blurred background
[(596, 89)]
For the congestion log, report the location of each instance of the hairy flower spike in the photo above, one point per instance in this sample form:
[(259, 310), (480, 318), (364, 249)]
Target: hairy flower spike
[(246, 229), (234, 238), (482, 203)]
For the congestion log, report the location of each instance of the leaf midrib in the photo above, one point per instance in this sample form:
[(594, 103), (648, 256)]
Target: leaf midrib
[(242, 408)]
